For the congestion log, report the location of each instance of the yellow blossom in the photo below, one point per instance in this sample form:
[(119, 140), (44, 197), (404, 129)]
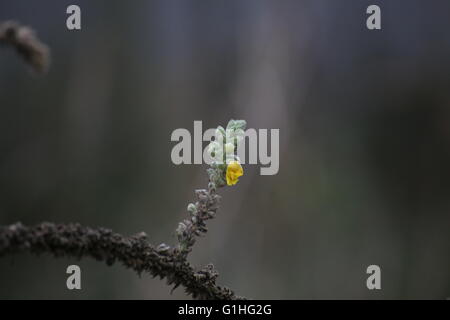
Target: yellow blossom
[(234, 171)]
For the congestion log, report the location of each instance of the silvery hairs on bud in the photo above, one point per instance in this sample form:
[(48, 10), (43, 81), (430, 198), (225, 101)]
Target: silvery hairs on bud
[(208, 200)]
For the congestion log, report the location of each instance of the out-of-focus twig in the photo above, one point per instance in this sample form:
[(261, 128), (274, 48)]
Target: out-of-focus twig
[(26, 44)]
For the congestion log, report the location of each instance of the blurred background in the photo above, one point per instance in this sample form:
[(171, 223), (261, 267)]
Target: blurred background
[(364, 119)]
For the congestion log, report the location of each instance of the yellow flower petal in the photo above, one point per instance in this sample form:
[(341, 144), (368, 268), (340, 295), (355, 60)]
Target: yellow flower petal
[(234, 171)]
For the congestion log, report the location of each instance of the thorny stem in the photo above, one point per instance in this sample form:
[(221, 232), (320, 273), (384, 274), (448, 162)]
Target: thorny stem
[(74, 240), (204, 209)]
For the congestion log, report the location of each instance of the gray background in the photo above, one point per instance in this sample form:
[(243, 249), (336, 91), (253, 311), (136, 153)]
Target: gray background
[(364, 121)]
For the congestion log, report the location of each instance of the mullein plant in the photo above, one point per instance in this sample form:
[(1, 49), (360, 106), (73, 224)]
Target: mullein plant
[(135, 252), (225, 170)]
